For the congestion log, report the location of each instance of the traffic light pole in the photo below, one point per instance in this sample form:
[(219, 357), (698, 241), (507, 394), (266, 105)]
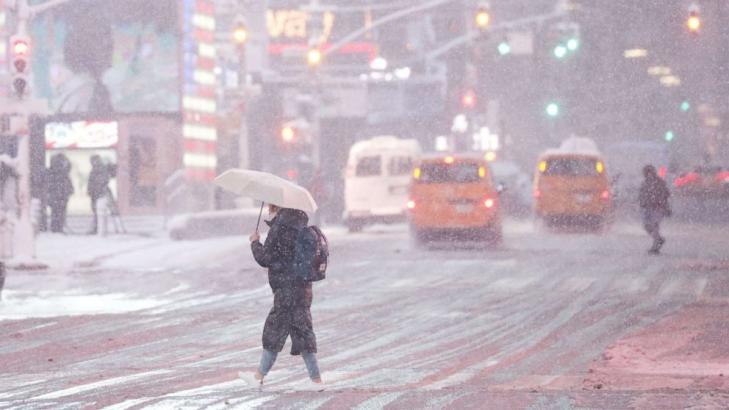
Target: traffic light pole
[(22, 109)]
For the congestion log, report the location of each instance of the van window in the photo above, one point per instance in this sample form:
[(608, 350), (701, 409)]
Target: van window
[(369, 166), (575, 167), (400, 166), (436, 173)]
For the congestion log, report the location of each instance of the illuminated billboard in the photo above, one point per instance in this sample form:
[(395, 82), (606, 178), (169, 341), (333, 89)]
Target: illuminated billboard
[(106, 56)]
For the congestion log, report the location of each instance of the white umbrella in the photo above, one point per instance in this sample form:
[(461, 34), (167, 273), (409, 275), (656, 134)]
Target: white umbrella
[(267, 188)]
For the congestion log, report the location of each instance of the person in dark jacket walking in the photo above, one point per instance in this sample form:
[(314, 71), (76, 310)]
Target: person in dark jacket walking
[(60, 188), (291, 311), (654, 205), (97, 187)]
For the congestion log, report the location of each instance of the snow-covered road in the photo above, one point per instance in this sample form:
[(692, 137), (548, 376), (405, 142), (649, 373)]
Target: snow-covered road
[(548, 320)]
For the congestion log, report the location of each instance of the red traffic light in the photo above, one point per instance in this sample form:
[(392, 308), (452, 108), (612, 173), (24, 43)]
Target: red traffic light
[(21, 47)]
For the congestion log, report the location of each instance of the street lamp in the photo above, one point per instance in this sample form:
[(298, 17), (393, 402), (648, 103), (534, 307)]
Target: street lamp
[(288, 134), (240, 33), (314, 57), (483, 19)]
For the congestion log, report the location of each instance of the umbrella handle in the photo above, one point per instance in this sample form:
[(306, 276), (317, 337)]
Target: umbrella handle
[(259, 217)]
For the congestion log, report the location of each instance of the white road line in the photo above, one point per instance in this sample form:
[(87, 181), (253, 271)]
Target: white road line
[(378, 402), (103, 383)]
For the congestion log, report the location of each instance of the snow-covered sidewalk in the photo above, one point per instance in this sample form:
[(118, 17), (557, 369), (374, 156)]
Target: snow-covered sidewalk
[(64, 252), (159, 251)]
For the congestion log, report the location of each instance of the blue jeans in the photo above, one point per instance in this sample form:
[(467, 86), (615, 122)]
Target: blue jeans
[(268, 358)]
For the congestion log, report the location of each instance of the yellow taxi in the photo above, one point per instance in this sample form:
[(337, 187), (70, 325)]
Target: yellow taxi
[(572, 188), (453, 194)]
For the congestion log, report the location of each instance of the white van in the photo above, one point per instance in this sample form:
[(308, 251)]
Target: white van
[(376, 180)]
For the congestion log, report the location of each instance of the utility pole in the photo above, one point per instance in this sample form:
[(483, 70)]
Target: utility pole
[(314, 60)]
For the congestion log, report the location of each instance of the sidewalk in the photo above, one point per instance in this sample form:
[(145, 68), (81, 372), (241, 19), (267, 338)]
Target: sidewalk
[(183, 241), (67, 252)]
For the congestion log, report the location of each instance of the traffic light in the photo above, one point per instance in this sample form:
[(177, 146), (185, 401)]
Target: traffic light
[(573, 44), (20, 56), (469, 100), (560, 51), (552, 109), (669, 136), (693, 23), (504, 48), (685, 106), (566, 37)]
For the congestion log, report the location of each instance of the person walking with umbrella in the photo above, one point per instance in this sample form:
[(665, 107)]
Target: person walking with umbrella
[(291, 311), (292, 297)]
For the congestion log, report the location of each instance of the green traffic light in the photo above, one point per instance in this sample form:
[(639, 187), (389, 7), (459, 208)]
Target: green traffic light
[(504, 48), (573, 44), (560, 51), (552, 109), (669, 136), (685, 106)]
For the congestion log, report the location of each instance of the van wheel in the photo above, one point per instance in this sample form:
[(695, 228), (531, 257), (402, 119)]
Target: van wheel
[(493, 235), (354, 225), (599, 225), (540, 224), (418, 239)]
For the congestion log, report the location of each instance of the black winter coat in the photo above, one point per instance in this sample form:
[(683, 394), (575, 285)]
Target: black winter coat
[(654, 194), (60, 187), (277, 254), (98, 181)]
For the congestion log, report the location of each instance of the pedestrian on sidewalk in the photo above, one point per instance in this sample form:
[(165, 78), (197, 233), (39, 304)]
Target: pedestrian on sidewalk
[(97, 187), (292, 297), (60, 189), (654, 205)]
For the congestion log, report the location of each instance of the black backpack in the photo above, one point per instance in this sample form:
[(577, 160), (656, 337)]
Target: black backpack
[(311, 254)]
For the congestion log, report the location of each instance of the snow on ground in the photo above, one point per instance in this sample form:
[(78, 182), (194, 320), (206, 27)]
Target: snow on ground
[(64, 252)]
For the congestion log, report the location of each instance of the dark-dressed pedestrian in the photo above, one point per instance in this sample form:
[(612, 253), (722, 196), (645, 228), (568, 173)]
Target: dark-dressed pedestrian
[(654, 205), (292, 297), (60, 189), (97, 187)]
